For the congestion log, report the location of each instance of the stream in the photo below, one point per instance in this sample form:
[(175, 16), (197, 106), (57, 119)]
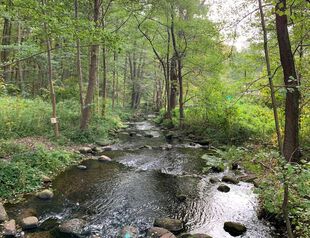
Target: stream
[(141, 184)]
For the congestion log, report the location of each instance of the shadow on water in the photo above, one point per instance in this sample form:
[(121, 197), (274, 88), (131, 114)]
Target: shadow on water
[(143, 184)]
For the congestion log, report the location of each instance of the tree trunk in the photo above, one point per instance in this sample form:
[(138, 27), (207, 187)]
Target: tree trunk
[(174, 82), (291, 149), (114, 80), (92, 77), (79, 63), (19, 63), (54, 119), (124, 83), (179, 55), (272, 91), (181, 103), (6, 41), (104, 83), (168, 89)]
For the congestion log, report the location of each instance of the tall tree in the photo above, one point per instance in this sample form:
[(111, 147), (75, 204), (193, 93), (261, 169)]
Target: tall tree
[(271, 86), (93, 69), (6, 41), (291, 148), (78, 59)]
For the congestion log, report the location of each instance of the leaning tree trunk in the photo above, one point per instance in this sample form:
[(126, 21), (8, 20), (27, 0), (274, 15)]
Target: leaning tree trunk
[(92, 77), (291, 134), (272, 91)]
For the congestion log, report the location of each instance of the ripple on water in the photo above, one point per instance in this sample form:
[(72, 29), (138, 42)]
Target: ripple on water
[(143, 184)]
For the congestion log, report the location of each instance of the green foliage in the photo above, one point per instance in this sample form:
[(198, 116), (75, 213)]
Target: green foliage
[(24, 117), (213, 163), (23, 172), (297, 176), (8, 148), (272, 172)]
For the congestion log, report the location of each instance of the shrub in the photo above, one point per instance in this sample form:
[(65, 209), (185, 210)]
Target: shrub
[(23, 173)]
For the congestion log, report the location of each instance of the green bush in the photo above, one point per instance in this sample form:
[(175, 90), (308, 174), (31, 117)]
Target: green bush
[(23, 173), (226, 124), (24, 117)]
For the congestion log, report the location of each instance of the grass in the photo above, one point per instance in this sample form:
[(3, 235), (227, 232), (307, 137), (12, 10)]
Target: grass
[(25, 122), (23, 172), (21, 117)]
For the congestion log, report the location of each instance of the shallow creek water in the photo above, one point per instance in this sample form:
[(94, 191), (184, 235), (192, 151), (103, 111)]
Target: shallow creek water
[(142, 184)]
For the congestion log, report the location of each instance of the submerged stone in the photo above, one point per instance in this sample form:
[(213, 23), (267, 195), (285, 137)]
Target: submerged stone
[(49, 224), (173, 225), (194, 236), (82, 167), (223, 188), (129, 232), (214, 180), (228, 179), (181, 197), (234, 228), (73, 227), (158, 232)]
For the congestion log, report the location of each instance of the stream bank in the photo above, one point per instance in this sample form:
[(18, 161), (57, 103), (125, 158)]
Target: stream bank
[(150, 177)]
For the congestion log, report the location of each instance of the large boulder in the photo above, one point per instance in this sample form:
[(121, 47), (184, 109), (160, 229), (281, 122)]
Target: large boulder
[(9, 228), (46, 194), (223, 188), (129, 232), (158, 232), (3, 214), (173, 225), (29, 223), (234, 228), (229, 179), (194, 236), (72, 228)]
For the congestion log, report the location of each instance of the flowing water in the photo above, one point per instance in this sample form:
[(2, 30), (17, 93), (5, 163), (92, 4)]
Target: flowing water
[(142, 184)]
